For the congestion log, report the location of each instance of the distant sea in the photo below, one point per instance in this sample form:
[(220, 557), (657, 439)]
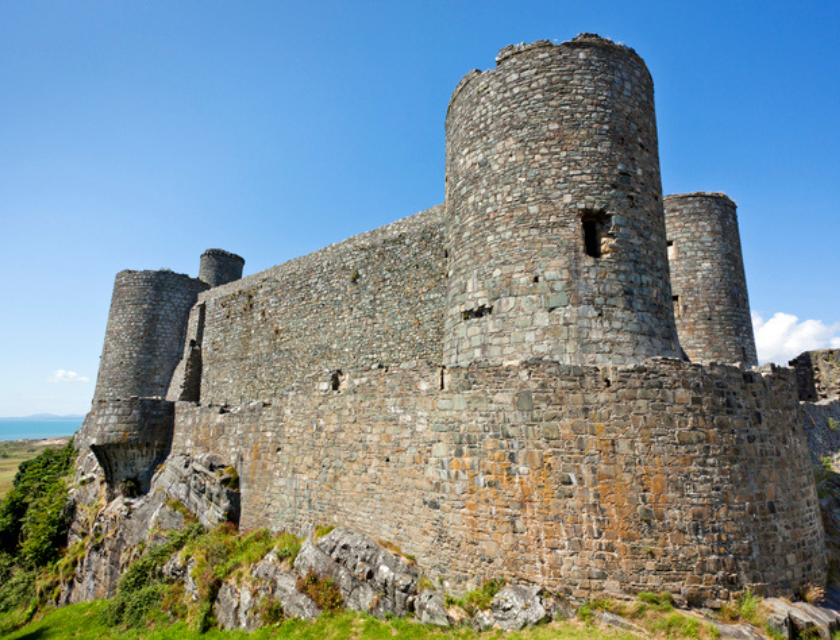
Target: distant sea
[(35, 429)]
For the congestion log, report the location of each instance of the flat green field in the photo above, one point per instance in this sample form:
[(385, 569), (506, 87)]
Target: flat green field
[(14, 452)]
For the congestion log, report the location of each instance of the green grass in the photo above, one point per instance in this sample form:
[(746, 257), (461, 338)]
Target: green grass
[(474, 601), (85, 622)]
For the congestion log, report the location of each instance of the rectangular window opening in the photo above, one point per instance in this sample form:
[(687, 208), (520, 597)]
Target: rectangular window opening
[(595, 226), (591, 241)]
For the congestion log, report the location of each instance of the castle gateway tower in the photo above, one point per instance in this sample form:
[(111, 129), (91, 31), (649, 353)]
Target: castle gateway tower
[(711, 305), (556, 233)]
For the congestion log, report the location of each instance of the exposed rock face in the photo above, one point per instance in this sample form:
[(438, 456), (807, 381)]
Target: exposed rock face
[(117, 532), (430, 608), (202, 485), (238, 606), (516, 607), (370, 578), (800, 619)]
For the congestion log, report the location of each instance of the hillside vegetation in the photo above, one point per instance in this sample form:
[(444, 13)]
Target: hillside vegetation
[(13, 453)]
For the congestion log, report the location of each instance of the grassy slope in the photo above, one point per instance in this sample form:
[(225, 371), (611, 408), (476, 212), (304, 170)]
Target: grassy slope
[(19, 451), (83, 621)]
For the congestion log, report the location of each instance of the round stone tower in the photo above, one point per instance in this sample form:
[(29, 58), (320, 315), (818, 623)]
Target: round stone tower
[(556, 233), (219, 267), (144, 339), (711, 305)]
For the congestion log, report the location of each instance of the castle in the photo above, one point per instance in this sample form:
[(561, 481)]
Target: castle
[(549, 378)]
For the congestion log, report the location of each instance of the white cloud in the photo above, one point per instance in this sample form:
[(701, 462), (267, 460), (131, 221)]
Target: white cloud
[(783, 337), (60, 375)]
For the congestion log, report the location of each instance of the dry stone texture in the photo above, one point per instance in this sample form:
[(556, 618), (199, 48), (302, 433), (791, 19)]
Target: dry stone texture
[(707, 276), (552, 151), (818, 374), (144, 338), (659, 476)]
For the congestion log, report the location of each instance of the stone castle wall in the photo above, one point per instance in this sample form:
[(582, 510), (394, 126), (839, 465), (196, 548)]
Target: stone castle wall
[(711, 304), (818, 374), (556, 234), (374, 300), (144, 338), (664, 475)]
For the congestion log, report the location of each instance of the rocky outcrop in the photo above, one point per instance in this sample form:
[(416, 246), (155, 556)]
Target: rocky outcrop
[(514, 608), (370, 578), (206, 484), (801, 620), (116, 537), (240, 606), (430, 608)]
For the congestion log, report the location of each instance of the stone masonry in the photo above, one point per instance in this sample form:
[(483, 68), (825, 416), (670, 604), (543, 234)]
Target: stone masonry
[(497, 384), (711, 305), (555, 223), (818, 374), (665, 475), (144, 338)]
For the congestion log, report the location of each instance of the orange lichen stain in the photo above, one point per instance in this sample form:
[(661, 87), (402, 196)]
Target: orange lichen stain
[(658, 485)]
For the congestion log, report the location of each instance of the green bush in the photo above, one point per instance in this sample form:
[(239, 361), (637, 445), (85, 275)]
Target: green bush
[(323, 591), (34, 517), (141, 589)]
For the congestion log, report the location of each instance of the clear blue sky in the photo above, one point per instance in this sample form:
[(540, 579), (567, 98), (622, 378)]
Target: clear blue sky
[(138, 134)]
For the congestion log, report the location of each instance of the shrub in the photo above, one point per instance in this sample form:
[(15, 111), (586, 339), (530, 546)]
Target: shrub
[(323, 591), (271, 610), (141, 589), (478, 599), (34, 517)]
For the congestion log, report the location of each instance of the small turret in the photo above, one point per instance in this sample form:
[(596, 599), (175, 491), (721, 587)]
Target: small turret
[(219, 267)]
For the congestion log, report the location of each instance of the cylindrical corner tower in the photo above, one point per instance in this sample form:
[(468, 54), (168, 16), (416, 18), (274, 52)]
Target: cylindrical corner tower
[(144, 339), (219, 267), (556, 231), (707, 277)]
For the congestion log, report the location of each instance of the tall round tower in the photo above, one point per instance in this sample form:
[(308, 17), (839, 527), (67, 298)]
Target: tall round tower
[(711, 305), (219, 267), (556, 233), (144, 339)]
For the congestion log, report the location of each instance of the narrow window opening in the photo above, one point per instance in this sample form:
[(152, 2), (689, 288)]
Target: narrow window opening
[(677, 306), (595, 225), (672, 252), (335, 380), (536, 278), (591, 241)]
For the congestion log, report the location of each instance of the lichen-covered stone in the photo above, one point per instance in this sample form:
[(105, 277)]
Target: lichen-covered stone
[(370, 578), (430, 608), (516, 607)]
